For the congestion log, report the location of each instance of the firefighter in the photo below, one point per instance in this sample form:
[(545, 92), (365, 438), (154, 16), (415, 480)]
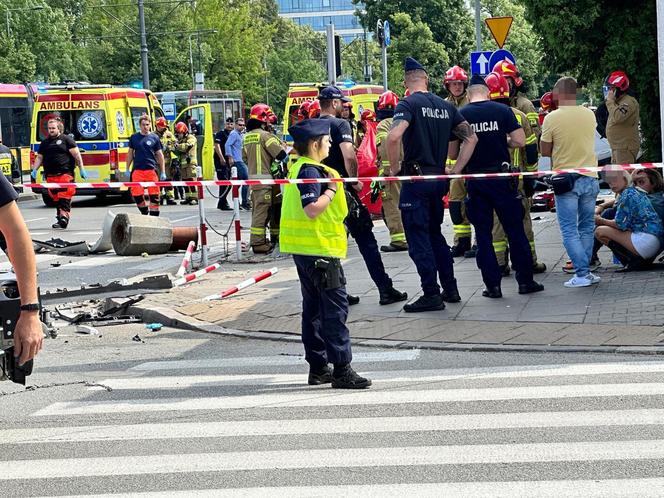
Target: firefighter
[(314, 109), (525, 159), (59, 154), (168, 146), (185, 151), (389, 191), (509, 70), (367, 118), (303, 110), (546, 106), (456, 83), (348, 115), (622, 127), (260, 151)]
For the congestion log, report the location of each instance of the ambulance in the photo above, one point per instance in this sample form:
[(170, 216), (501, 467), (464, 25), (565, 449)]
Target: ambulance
[(363, 97), (100, 118)]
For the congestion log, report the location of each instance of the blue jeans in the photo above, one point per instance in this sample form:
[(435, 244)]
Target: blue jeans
[(576, 217), (243, 174)]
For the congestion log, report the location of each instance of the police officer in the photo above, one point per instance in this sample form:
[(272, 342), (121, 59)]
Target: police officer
[(524, 159), (312, 229), (260, 150), (389, 191), (186, 152), (168, 146), (59, 154), (427, 124), (28, 335), (509, 70), (497, 129), (456, 82), (343, 160), (622, 127), (221, 166)]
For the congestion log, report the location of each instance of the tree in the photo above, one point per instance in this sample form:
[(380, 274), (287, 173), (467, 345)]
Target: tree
[(600, 36)]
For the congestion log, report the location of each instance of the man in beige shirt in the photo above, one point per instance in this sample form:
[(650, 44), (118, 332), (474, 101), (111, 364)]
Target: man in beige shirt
[(568, 137)]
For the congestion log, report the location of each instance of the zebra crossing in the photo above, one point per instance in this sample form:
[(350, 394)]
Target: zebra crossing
[(179, 428)]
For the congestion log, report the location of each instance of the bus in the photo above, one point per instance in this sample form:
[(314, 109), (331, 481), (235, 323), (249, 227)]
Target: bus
[(15, 115), (224, 104)]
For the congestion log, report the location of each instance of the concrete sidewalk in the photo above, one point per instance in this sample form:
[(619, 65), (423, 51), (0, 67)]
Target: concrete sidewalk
[(624, 313)]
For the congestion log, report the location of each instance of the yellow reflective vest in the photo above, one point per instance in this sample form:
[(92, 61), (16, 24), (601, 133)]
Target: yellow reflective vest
[(324, 235)]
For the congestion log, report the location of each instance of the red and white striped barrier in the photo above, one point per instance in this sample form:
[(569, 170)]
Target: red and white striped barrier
[(193, 276), (186, 260), (236, 216), (242, 285), (286, 181)]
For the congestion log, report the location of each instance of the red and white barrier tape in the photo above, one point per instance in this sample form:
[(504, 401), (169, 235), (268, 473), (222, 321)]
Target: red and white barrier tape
[(242, 285), (287, 181), (193, 276), (186, 260)]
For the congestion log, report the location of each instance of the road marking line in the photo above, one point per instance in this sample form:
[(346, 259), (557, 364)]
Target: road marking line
[(280, 427), (419, 376), (405, 355), (34, 219), (184, 219), (332, 397), (625, 488), (333, 457)]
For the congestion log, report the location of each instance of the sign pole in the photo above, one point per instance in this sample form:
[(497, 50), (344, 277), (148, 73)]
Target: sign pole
[(331, 55), (478, 26)]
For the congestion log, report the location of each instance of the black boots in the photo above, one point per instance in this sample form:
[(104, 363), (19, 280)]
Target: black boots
[(462, 246), (318, 376), (344, 377), (629, 260), (425, 303), (390, 295)]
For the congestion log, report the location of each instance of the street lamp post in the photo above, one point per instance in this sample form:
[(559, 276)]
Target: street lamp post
[(191, 52), (7, 11)]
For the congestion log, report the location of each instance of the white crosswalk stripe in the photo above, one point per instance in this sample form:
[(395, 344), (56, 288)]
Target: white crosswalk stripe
[(546, 419)]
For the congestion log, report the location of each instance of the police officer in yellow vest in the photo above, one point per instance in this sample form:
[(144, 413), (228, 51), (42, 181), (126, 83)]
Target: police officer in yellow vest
[(312, 229), (259, 150), (525, 159), (389, 191), (622, 127)]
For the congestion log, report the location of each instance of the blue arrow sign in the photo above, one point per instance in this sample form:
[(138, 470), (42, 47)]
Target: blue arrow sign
[(479, 63), (386, 33), (500, 55)]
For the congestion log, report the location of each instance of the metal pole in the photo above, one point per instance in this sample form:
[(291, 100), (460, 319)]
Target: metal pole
[(144, 45), (478, 26), (7, 14), (660, 58), (384, 50), (331, 56), (201, 215), (191, 65), (367, 76)]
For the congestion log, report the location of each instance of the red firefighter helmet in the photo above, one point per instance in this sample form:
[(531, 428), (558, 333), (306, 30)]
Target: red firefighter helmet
[(368, 115), (260, 112), (508, 69), (499, 88), (406, 93), (546, 102), (456, 73), (387, 100), (314, 109), (181, 128), (618, 79), (303, 110), (161, 123)]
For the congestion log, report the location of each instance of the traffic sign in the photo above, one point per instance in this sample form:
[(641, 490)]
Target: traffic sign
[(500, 55), (479, 63), (499, 27), (386, 33)]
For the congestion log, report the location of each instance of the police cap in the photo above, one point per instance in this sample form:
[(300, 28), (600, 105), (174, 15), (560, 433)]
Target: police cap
[(308, 129), (477, 80), (411, 64), (332, 92)]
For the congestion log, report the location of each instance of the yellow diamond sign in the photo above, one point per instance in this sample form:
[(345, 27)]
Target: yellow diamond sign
[(499, 27)]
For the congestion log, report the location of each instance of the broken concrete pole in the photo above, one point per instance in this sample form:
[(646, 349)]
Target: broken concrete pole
[(134, 234)]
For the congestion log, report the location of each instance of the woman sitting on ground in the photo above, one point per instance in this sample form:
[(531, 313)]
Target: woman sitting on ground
[(636, 235), (650, 180)]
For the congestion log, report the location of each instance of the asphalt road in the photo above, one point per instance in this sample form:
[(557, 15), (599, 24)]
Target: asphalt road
[(180, 411), (57, 271)]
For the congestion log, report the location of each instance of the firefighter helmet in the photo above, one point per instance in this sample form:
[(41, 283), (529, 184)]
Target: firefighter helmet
[(618, 79), (303, 110), (368, 115), (456, 73), (499, 88), (508, 69), (546, 102), (181, 128), (387, 100), (314, 109), (260, 112), (161, 123)]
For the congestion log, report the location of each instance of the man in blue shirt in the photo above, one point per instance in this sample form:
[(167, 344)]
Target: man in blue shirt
[(427, 124), (145, 152), (497, 129), (233, 149)]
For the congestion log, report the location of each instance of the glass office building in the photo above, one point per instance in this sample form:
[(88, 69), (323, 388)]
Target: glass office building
[(320, 13)]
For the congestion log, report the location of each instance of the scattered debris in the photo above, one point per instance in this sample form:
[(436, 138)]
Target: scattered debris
[(60, 246), (147, 285), (154, 327), (104, 243), (137, 338), (56, 264), (86, 329)]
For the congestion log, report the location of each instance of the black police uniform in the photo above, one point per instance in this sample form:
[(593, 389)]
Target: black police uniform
[(425, 143), (492, 122), (359, 221), (7, 195), (223, 171)]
